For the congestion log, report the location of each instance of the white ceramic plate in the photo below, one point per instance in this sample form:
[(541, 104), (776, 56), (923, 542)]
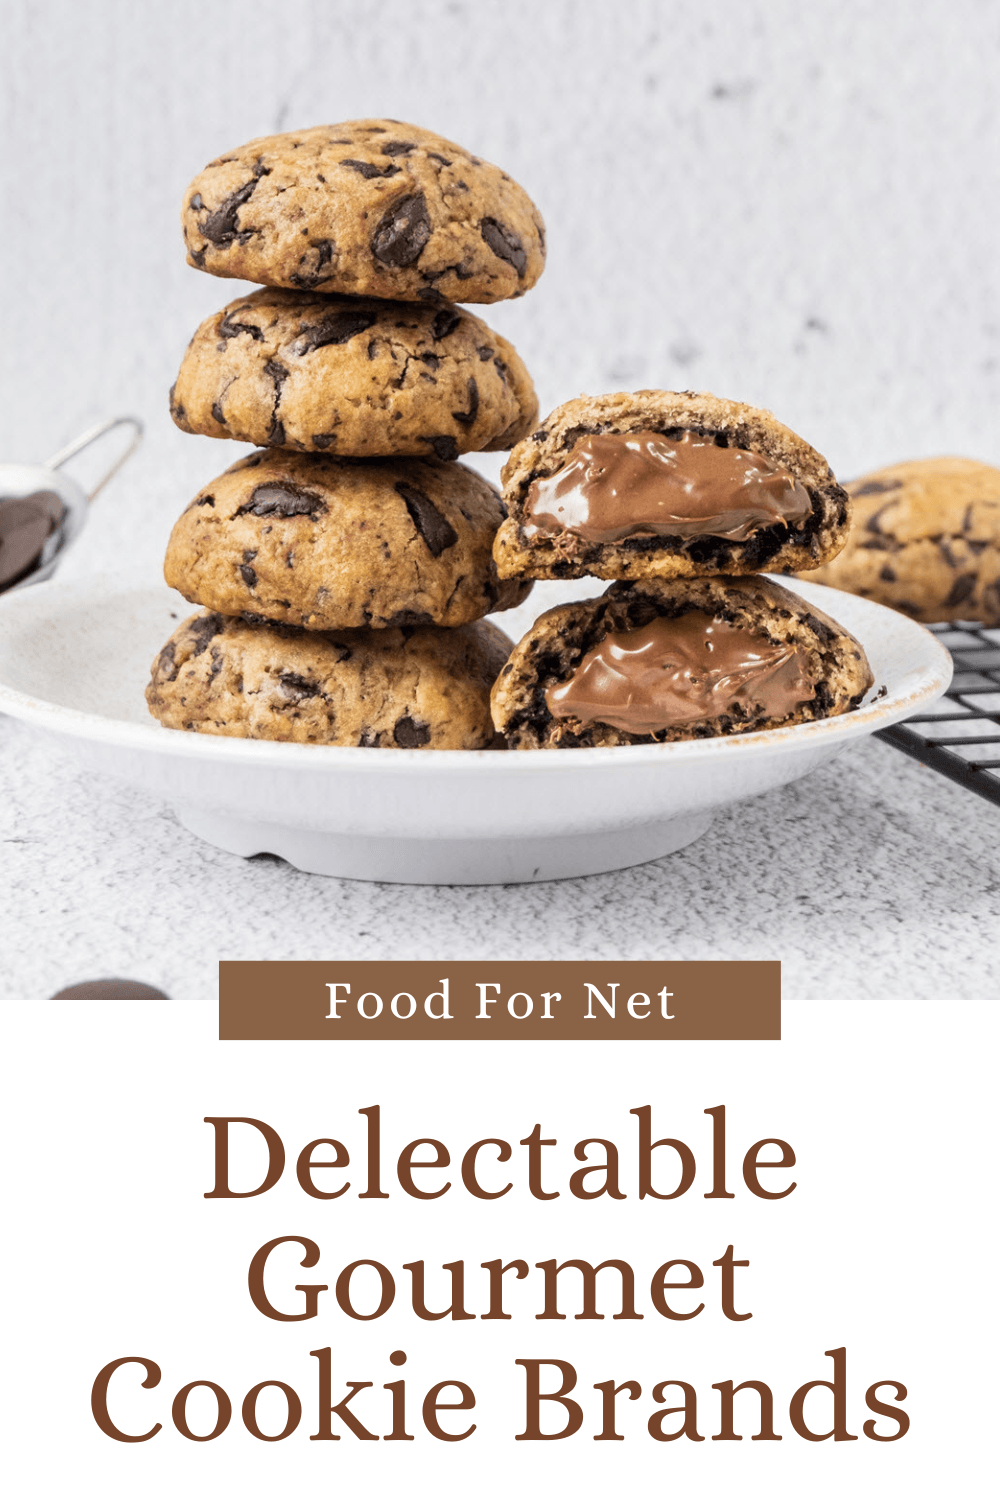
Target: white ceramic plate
[(75, 658)]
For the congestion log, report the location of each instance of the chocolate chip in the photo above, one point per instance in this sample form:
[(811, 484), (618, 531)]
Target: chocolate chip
[(295, 688), (197, 202), (504, 244), (402, 232), (960, 590), (324, 439), (445, 322), (277, 371), (409, 733), (276, 433), (320, 254), (230, 329), (436, 156), (444, 447), (485, 352), (876, 487), (397, 148), (220, 226), (338, 327), (372, 348), (247, 573), (501, 369), (430, 360), (206, 500), (468, 417), (368, 169), (437, 532), (217, 413), (166, 664), (203, 629), (888, 575), (289, 632), (281, 498)]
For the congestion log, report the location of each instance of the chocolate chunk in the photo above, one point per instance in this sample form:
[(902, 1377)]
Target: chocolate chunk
[(436, 156), (960, 590), (430, 360), (445, 322), (877, 487), (206, 500), (437, 532), (444, 447), (203, 629), (277, 372), (276, 433), (230, 329), (485, 352), (402, 232), (166, 665), (324, 439), (197, 202), (505, 244), (295, 688), (247, 573), (321, 253), (338, 327), (217, 413), (290, 632), (409, 733), (396, 148), (368, 169), (467, 417), (888, 575), (220, 226), (281, 498)]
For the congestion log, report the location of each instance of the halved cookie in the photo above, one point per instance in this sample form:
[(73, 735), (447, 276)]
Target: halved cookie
[(925, 540), (666, 484), (369, 206), (352, 376), (653, 660), (420, 688), (340, 543)]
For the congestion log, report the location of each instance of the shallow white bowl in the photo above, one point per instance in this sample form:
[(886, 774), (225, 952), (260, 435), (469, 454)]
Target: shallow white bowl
[(75, 658)]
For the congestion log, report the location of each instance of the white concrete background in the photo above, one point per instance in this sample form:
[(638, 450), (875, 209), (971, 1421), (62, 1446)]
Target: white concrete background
[(792, 204)]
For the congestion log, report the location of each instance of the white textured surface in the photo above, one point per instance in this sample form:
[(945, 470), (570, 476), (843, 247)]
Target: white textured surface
[(788, 204), (874, 879)]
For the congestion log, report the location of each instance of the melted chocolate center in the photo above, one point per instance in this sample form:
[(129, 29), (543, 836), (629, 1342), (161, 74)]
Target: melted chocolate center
[(620, 484), (687, 670)]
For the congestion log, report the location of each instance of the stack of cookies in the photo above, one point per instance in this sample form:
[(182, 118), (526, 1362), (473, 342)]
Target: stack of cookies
[(683, 500), (345, 568)]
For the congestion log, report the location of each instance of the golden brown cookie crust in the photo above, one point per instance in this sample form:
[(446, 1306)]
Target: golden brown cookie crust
[(369, 207), (352, 376), (558, 640), (925, 540), (565, 555), (340, 544), (420, 688)]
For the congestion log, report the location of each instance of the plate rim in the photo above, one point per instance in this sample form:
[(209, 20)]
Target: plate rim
[(932, 682)]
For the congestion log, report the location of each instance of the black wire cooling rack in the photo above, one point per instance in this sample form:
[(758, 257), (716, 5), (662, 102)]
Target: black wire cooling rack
[(960, 736)]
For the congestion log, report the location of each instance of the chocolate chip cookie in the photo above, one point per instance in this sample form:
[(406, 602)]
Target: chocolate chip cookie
[(409, 688), (370, 207), (353, 376), (666, 484), (655, 660), (340, 543), (925, 540)]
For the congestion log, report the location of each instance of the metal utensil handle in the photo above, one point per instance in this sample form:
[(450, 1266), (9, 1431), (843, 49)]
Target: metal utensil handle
[(90, 436)]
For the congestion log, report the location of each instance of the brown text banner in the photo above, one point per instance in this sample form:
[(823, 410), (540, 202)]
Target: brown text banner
[(472, 1000)]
